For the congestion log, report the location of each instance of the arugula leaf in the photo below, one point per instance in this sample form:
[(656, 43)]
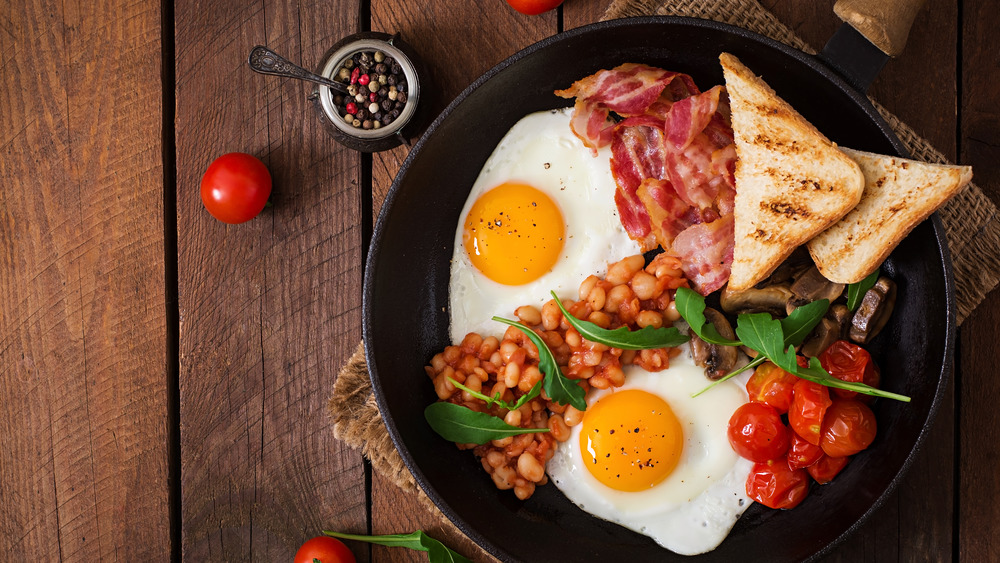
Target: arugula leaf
[(558, 387), (437, 552), (691, 306), (817, 374), (856, 291), (761, 332), (495, 400), (797, 326), (643, 339), (459, 424)]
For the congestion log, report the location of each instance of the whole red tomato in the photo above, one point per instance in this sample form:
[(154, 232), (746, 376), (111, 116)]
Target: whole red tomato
[(848, 428), (533, 7), (774, 485), (324, 549), (802, 454), (771, 385), (757, 433), (235, 187), (809, 403), (849, 362), (824, 470)]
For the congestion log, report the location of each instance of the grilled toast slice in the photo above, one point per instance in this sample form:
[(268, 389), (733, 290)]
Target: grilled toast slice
[(791, 181), (899, 194)]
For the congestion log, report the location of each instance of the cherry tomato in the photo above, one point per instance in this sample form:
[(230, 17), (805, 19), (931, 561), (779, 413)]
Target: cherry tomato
[(533, 7), (809, 403), (774, 485), (848, 428), (824, 470), (757, 433), (325, 550), (772, 386), (849, 362), (235, 187), (802, 454)]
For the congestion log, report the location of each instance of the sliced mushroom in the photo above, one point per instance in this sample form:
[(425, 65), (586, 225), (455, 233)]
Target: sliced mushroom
[(826, 333), (790, 269), (717, 360), (840, 314), (770, 299), (812, 286), (874, 311)]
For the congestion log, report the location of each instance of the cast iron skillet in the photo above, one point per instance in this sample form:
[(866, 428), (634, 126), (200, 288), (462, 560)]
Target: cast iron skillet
[(406, 295)]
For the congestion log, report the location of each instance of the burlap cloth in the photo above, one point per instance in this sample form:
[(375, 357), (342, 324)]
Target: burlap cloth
[(970, 221)]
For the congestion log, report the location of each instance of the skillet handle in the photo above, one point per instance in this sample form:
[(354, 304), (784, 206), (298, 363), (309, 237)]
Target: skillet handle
[(886, 23)]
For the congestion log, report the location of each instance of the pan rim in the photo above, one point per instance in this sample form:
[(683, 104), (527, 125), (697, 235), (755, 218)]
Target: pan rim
[(809, 60)]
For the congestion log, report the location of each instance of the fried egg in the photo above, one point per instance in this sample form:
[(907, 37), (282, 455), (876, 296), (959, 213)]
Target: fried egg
[(540, 217), (653, 459)]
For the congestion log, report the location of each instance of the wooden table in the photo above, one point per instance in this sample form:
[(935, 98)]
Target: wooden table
[(164, 377)]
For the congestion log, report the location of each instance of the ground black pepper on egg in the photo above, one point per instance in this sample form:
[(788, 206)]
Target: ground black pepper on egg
[(377, 88)]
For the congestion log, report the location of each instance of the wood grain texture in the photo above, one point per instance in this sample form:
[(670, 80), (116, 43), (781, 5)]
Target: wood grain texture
[(269, 309), (978, 386), (83, 470)]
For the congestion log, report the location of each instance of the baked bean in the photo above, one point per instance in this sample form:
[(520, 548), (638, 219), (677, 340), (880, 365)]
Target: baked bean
[(507, 349), (468, 363), (511, 374), (571, 416), (503, 477), (502, 442), (525, 491), (618, 295), (592, 357), (649, 318), (627, 356), (529, 315), (513, 418), (558, 428), (530, 468), (471, 343), (587, 285), (438, 363), (596, 298), (490, 345), (474, 384), (671, 313), (443, 387), (622, 271), (600, 318), (495, 459), (615, 375), (529, 377), (500, 388), (573, 338), (644, 285), (551, 315), (452, 354), (599, 381)]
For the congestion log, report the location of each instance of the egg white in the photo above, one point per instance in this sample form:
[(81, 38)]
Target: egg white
[(695, 507), (540, 150)]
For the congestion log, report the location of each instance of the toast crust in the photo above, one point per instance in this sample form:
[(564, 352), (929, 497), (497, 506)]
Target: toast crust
[(792, 182), (899, 194)]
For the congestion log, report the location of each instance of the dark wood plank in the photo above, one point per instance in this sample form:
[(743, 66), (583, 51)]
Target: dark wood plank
[(83, 383), (269, 309), (457, 41), (978, 386)]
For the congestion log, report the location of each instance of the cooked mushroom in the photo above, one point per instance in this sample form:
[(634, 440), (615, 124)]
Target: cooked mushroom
[(874, 311), (770, 299), (840, 314), (826, 333), (812, 286), (717, 360)]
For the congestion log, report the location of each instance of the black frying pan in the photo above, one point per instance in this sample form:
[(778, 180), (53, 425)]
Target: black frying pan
[(406, 295)]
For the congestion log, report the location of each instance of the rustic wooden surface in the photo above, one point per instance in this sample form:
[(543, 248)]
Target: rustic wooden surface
[(163, 377)]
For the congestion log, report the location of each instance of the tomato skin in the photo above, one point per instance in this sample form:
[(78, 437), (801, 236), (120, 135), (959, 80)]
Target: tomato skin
[(534, 7), (235, 187), (324, 549), (774, 485), (849, 362), (802, 454), (757, 433), (848, 428), (772, 386), (809, 403), (824, 470)]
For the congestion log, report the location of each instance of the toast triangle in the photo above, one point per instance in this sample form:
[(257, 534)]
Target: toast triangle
[(899, 194), (791, 181)]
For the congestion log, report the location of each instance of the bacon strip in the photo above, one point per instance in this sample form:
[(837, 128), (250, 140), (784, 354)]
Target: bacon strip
[(706, 253)]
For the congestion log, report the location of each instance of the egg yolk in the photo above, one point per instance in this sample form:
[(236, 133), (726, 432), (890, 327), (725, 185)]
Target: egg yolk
[(630, 440), (513, 233)]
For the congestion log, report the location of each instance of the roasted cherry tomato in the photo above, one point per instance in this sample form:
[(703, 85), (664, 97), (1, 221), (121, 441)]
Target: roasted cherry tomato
[(774, 485), (325, 550), (235, 187), (849, 362), (824, 470), (802, 454), (533, 7), (809, 403), (757, 433), (772, 386), (848, 428)]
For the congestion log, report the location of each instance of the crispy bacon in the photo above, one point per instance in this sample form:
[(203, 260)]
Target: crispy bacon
[(706, 253), (668, 215)]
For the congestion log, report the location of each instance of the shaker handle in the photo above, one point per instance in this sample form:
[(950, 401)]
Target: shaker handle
[(886, 23)]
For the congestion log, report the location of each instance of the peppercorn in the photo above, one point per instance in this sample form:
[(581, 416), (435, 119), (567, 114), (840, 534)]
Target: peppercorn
[(361, 114), (396, 69), (356, 122), (391, 80), (367, 124), (401, 86), (382, 79), (352, 90), (383, 92), (351, 108), (379, 56), (348, 64), (344, 74), (376, 124), (363, 79), (377, 116), (373, 107), (387, 119), (374, 86), (338, 100), (381, 68), (355, 74), (401, 98), (386, 105), (393, 94), (360, 97), (372, 97)]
